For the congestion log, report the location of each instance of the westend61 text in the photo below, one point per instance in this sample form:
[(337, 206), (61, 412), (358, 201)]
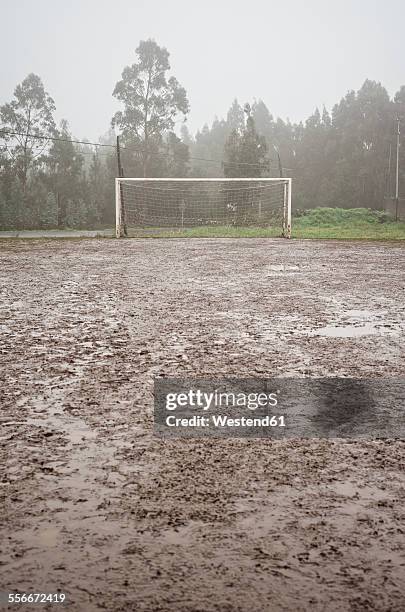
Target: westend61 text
[(225, 421)]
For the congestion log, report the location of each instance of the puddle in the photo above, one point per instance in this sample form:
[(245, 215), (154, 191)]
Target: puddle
[(89, 469), (364, 314), (347, 331), (183, 535), (359, 323), (283, 269), (364, 494), (47, 537), (74, 428), (356, 323)]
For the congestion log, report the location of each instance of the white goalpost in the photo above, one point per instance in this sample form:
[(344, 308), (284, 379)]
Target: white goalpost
[(149, 205)]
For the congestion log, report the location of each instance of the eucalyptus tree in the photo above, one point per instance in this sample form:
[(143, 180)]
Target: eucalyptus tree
[(26, 123), (152, 100)]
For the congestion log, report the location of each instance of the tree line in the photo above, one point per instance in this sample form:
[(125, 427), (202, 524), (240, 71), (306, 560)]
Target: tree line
[(342, 158)]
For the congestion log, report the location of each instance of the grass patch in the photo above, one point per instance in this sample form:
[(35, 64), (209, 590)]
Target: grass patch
[(224, 231), (333, 217), (322, 223), (351, 223), (361, 231), (318, 223)]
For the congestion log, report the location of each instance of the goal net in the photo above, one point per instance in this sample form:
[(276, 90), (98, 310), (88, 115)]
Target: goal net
[(148, 206)]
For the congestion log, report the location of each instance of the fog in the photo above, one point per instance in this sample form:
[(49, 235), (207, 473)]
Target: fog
[(294, 55)]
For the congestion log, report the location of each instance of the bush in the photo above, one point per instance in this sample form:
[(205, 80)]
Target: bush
[(342, 216)]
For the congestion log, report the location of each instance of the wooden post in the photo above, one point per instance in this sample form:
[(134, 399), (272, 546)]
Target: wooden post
[(59, 221), (397, 173)]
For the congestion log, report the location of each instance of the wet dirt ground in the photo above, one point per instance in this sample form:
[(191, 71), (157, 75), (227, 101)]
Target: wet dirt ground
[(95, 506)]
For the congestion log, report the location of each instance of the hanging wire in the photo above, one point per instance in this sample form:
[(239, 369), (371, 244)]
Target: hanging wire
[(130, 148)]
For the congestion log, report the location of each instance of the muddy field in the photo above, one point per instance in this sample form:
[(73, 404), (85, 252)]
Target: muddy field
[(95, 506)]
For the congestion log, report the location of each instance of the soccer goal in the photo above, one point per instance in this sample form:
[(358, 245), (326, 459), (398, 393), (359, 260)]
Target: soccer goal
[(149, 206)]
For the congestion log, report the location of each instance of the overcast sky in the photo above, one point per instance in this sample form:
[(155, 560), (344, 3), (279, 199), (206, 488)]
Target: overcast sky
[(295, 55)]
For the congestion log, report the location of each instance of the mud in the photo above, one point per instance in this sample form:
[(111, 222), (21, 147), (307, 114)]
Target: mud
[(93, 505)]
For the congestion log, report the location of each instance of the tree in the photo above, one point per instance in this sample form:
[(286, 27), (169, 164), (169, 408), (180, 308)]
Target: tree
[(263, 119), (186, 137), (65, 165), (95, 189), (245, 151), (235, 117), (151, 100), (279, 136), (178, 156), (399, 109), (28, 115), (170, 159), (311, 164), (362, 124)]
